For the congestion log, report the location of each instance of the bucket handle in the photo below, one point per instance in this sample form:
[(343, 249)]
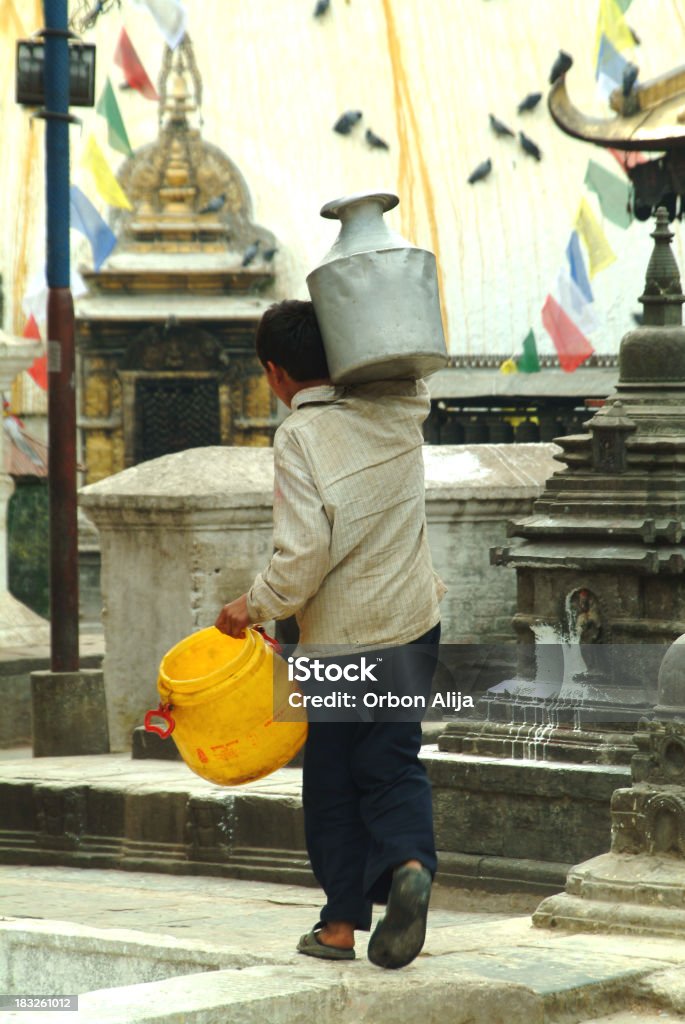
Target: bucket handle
[(163, 712), (270, 640)]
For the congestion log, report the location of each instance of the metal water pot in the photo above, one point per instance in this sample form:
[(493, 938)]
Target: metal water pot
[(376, 297)]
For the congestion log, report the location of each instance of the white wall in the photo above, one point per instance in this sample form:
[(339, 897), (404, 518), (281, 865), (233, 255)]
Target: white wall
[(426, 75)]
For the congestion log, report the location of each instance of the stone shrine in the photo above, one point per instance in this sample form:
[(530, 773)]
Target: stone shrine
[(165, 335), (600, 562), (639, 886)]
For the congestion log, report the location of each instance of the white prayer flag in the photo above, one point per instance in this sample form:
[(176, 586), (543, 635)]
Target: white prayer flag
[(575, 305), (171, 18)]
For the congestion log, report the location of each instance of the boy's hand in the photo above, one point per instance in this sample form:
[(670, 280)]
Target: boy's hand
[(233, 618)]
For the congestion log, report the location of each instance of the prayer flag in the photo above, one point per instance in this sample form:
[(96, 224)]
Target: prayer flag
[(613, 194), (628, 158), (613, 25), (171, 17), (624, 5), (38, 369), (31, 329), (509, 366), (590, 230), (572, 346), (35, 300), (93, 159), (575, 304), (134, 72), (116, 130), (610, 68), (529, 362), (86, 219), (576, 264)]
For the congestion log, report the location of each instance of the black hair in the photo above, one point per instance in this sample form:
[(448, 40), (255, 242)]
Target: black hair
[(288, 335)]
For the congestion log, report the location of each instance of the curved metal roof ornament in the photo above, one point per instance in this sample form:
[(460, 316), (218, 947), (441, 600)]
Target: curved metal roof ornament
[(651, 118)]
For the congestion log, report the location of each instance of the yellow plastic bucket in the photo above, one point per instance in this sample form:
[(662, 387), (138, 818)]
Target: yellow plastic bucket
[(224, 701)]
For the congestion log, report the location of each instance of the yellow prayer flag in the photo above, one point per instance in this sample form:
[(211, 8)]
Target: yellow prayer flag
[(508, 366), (614, 26), (94, 160), (600, 253)]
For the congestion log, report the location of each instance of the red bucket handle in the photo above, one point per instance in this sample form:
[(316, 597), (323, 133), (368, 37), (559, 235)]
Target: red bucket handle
[(163, 712), (269, 639)]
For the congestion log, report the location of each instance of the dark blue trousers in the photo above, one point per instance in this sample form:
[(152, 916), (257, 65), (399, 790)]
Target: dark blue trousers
[(367, 806)]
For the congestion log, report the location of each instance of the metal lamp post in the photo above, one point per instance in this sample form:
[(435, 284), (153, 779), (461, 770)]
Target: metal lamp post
[(69, 713)]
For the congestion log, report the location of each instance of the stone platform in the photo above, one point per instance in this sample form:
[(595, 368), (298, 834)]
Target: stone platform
[(139, 949), (501, 824)]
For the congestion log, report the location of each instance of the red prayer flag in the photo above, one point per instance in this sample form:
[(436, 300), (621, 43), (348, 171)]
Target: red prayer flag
[(571, 344), (39, 367), (628, 158), (134, 72)]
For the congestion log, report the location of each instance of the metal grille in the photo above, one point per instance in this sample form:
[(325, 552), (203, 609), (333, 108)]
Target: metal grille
[(175, 414)]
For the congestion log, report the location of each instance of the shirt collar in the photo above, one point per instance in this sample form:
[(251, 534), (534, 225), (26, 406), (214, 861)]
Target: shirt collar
[(321, 394)]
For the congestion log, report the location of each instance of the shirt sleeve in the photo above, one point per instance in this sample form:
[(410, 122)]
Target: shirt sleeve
[(302, 539)]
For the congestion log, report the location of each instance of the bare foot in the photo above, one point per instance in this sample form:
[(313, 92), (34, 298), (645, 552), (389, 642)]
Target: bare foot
[(337, 933)]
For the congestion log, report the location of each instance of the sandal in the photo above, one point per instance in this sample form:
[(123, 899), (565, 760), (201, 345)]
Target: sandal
[(398, 938), (310, 945)]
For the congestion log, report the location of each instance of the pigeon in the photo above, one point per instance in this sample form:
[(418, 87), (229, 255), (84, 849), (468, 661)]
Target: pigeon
[(561, 65), (347, 121), (250, 253), (214, 204), (499, 128), (530, 102), (321, 8), (375, 141), (529, 146), (269, 254), (480, 172), (630, 73)]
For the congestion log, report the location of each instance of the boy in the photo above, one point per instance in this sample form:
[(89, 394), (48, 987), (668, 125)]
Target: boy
[(351, 561)]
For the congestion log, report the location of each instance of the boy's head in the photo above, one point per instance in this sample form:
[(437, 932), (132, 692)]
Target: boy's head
[(290, 348), (288, 335)]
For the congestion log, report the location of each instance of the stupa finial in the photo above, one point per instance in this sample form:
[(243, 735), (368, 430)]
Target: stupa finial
[(663, 297)]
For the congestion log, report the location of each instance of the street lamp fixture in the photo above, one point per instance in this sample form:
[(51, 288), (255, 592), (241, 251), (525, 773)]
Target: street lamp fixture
[(30, 71)]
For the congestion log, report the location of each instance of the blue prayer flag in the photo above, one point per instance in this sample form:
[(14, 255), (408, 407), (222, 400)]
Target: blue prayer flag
[(610, 66), (86, 219), (577, 266)]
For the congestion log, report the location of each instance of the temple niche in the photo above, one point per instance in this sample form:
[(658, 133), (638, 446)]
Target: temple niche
[(165, 335)]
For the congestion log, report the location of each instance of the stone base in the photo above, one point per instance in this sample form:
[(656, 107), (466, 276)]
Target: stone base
[(149, 746), (69, 713), (99, 824), (540, 742), (16, 666), (641, 894), (501, 812)]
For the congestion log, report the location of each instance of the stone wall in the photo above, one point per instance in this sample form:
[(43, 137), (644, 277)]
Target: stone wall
[(183, 534)]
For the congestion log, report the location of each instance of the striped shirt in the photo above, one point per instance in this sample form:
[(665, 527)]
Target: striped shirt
[(351, 557)]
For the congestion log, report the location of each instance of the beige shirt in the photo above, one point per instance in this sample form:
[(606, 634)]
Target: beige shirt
[(351, 556)]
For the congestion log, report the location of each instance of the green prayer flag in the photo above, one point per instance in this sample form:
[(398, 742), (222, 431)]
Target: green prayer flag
[(613, 193), (624, 5), (529, 362), (116, 132)]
